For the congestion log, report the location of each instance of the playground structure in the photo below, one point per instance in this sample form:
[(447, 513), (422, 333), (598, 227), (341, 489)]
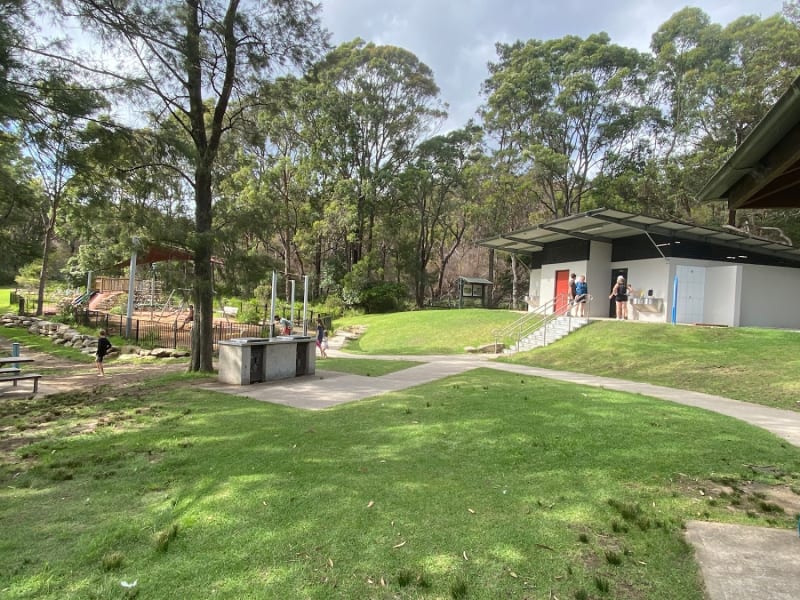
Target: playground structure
[(149, 301), (146, 298)]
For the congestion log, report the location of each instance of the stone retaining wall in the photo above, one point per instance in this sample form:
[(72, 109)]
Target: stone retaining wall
[(64, 335)]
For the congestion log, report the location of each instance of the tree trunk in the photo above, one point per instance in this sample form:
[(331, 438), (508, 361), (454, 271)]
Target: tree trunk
[(48, 240), (203, 326), (491, 276), (513, 282)]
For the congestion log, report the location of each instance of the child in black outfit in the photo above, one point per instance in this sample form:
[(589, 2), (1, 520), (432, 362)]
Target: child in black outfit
[(103, 346)]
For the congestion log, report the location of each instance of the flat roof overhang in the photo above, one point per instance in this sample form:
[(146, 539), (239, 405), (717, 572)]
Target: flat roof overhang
[(607, 225), (764, 171)]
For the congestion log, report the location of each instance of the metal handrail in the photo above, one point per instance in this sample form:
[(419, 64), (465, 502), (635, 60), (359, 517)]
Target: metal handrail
[(535, 320)]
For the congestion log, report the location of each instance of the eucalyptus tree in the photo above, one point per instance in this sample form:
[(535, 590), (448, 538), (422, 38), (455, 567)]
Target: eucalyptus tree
[(116, 200), (13, 25), (187, 61), (431, 191), (370, 106), (268, 191), (565, 110), (713, 84), (20, 198), (50, 135)]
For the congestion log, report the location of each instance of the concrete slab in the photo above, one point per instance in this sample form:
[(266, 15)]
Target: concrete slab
[(746, 563)]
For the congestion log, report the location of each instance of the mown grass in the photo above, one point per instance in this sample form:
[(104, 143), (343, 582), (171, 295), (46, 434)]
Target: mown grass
[(427, 331), (5, 301), (38, 343), (484, 485), (753, 365), (368, 367)]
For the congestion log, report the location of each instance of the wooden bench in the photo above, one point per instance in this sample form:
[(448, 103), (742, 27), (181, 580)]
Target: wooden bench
[(9, 370), (229, 311), (22, 377)]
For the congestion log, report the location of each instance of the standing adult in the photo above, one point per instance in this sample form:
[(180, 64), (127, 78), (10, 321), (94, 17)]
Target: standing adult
[(571, 293), (620, 293), (321, 339), (581, 296)]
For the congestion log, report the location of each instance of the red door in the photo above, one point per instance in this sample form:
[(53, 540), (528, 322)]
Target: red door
[(562, 290)]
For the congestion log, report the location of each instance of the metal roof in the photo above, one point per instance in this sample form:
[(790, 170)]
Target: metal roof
[(764, 171), (607, 225), (476, 280)]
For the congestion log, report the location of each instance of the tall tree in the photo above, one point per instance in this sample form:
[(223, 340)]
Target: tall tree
[(189, 59), (567, 109), (713, 84), (50, 134), (371, 106), (430, 190)]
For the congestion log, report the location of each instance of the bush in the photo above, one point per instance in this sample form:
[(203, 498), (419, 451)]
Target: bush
[(383, 297)]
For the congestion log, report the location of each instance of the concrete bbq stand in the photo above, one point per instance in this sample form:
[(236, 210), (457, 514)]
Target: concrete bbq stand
[(243, 361)]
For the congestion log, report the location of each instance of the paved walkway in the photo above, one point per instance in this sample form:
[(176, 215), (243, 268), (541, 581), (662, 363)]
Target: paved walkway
[(737, 562)]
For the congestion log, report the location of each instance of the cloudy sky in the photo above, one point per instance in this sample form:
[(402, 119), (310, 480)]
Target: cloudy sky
[(456, 38)]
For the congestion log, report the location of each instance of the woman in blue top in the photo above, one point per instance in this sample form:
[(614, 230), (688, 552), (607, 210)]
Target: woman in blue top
[(581, 295)]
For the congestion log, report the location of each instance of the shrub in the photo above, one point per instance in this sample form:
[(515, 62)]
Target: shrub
[(383, 297)]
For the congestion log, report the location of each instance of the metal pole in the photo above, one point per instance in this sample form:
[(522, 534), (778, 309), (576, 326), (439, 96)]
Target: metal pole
[(131, 290), (291, 310), (272, 305), (305, 305), (675, 300), (15, 352)]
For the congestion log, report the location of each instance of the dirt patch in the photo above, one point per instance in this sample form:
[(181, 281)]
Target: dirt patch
[(746, 496)]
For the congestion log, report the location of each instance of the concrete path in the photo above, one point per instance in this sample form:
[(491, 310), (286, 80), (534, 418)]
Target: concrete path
[(737, 562)]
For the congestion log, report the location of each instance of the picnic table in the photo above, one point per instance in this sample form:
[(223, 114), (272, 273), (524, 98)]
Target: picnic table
[(14, 374), (11, 360)]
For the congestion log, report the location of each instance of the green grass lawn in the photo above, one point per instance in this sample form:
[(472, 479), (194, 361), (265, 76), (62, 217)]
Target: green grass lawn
[(754, 365), (485, 485), (426, 331), (5, 301), (368, 367)]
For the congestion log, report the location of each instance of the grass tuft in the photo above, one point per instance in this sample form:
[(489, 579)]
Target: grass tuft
[(163, 538), (628, 511), (613, 557), (601, 583), (113, 561), (459, 589)]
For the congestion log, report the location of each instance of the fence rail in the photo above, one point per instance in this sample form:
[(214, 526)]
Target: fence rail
[(164, 335)]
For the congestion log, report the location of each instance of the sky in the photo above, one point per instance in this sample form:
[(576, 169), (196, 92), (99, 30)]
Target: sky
[(456, 38)]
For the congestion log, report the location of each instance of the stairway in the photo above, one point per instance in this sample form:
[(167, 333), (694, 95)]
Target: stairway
[(552, 331), (104, 301)]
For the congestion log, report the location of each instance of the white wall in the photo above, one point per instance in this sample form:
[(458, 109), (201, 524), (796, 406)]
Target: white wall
[(722, 301), (547, 284), (736, 295), (534, 295), (598, 274), (769, 297), (643, 275)]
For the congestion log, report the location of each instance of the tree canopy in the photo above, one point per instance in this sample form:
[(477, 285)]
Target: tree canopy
[(231, 128)]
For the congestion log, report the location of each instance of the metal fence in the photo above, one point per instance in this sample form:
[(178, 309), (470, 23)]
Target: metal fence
[(163, 335)]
